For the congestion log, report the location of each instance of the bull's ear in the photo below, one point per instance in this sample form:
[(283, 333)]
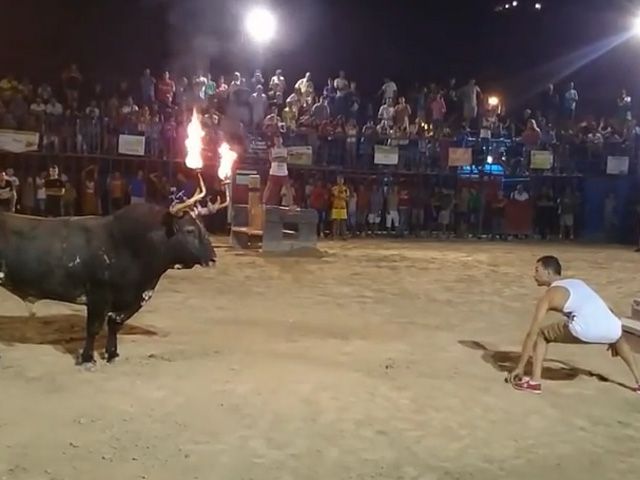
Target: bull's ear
[(169, 223)]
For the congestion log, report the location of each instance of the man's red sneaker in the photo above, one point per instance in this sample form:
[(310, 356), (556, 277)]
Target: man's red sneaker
[(526, 385)]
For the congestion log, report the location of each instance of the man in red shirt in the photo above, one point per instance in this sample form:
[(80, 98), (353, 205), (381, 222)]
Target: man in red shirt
[(318, 199), (404, 209), (166, 89)]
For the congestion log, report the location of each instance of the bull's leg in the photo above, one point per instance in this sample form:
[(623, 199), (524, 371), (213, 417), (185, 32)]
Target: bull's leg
[(96, 316), (115, 322), (113, 327)]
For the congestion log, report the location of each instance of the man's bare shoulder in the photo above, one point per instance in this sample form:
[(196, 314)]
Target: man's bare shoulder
[(556, 297)]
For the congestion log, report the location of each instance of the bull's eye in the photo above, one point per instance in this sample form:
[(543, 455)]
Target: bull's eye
[(191, 231)]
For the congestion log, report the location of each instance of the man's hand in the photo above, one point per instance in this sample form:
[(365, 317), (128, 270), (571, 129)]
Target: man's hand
[(293, 208), (516, 374)]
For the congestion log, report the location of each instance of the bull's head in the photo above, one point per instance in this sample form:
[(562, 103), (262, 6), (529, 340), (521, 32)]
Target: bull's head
[(188, 240)]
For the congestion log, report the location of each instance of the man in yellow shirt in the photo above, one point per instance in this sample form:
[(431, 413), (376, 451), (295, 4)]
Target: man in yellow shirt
[(339, 198)]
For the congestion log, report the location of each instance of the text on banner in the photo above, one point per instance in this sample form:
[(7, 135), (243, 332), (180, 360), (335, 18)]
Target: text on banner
[(131, 145), (460, 157), (385, 155)]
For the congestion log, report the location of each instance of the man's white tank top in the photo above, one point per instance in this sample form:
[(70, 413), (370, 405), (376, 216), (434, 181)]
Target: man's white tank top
[(279, 156), (588, 316)]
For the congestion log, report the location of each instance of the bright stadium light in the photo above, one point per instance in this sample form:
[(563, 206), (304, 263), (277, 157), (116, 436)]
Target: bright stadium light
[(636, 26), (260, 24)]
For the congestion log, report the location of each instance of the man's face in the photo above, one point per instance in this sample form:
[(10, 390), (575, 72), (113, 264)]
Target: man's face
[(53, 172), (541, 276)]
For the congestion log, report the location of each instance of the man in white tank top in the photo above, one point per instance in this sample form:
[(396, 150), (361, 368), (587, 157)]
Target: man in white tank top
[(588, 320)]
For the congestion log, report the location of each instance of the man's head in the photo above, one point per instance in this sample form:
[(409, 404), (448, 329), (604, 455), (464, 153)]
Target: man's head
[(340, 180), (53, 171), (547, 271)]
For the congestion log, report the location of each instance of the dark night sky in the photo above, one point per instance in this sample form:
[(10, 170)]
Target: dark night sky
[(510, 53)]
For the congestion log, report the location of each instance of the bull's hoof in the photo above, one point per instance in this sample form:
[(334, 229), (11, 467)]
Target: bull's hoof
[(83, 360), (112, 357), (88, 367)]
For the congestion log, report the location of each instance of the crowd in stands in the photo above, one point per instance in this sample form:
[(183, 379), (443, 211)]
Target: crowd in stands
[(343, 128)]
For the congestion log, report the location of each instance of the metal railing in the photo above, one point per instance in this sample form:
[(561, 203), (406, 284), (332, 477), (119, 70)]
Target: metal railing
[(418, 153)]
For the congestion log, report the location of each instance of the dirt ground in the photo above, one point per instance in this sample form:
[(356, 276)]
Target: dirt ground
[(379, 360)]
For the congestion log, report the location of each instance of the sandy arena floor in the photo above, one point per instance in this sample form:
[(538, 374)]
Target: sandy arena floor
[(381, 360)]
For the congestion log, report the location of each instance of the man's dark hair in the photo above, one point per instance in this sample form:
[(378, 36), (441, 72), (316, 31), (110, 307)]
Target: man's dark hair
[(550, 264)]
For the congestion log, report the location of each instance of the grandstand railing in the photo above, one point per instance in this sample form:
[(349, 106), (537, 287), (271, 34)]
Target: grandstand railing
[(369, 151)]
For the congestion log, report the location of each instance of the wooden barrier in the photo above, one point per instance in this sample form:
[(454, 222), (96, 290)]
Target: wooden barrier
[(518, 218), (632, 324), (254, 225)]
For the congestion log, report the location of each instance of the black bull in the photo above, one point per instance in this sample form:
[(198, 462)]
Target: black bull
[(109, 264)]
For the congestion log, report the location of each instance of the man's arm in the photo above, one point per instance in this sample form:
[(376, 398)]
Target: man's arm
[(542, 308), (14, 200)]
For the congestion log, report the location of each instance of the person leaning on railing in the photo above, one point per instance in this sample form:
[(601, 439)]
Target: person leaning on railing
[(7, 194)]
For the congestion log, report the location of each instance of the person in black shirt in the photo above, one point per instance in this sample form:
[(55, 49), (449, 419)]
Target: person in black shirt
[(54, 190), (7, 194)]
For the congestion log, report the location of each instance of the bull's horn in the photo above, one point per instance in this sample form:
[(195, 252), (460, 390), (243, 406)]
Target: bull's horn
[(201, 191)]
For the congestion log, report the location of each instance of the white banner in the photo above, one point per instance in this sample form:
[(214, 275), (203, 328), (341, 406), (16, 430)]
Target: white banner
[(541, 160), (384, 155), (617, 165), (242, 176), (300, 155), (131, 145), (19, 142), (460, 157)]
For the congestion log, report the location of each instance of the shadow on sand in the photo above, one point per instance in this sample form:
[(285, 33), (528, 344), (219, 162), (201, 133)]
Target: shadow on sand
[(64, 332), (555, 370)]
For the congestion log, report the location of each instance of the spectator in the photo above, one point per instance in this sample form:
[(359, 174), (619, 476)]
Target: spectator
[(520, 195), (468, 95), (54, 108), (117, 189), (166, 89), (388, 91), (498, 207), (318, 201), (401, 114), (259, 106), (438, 111), (72, 83), (148, 87), (386, 113), (624, 105), (7, 194), (305, 90), (138, 188), (320, 111), (54, 191), (571, 101), (339, 199), (278, 82)]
